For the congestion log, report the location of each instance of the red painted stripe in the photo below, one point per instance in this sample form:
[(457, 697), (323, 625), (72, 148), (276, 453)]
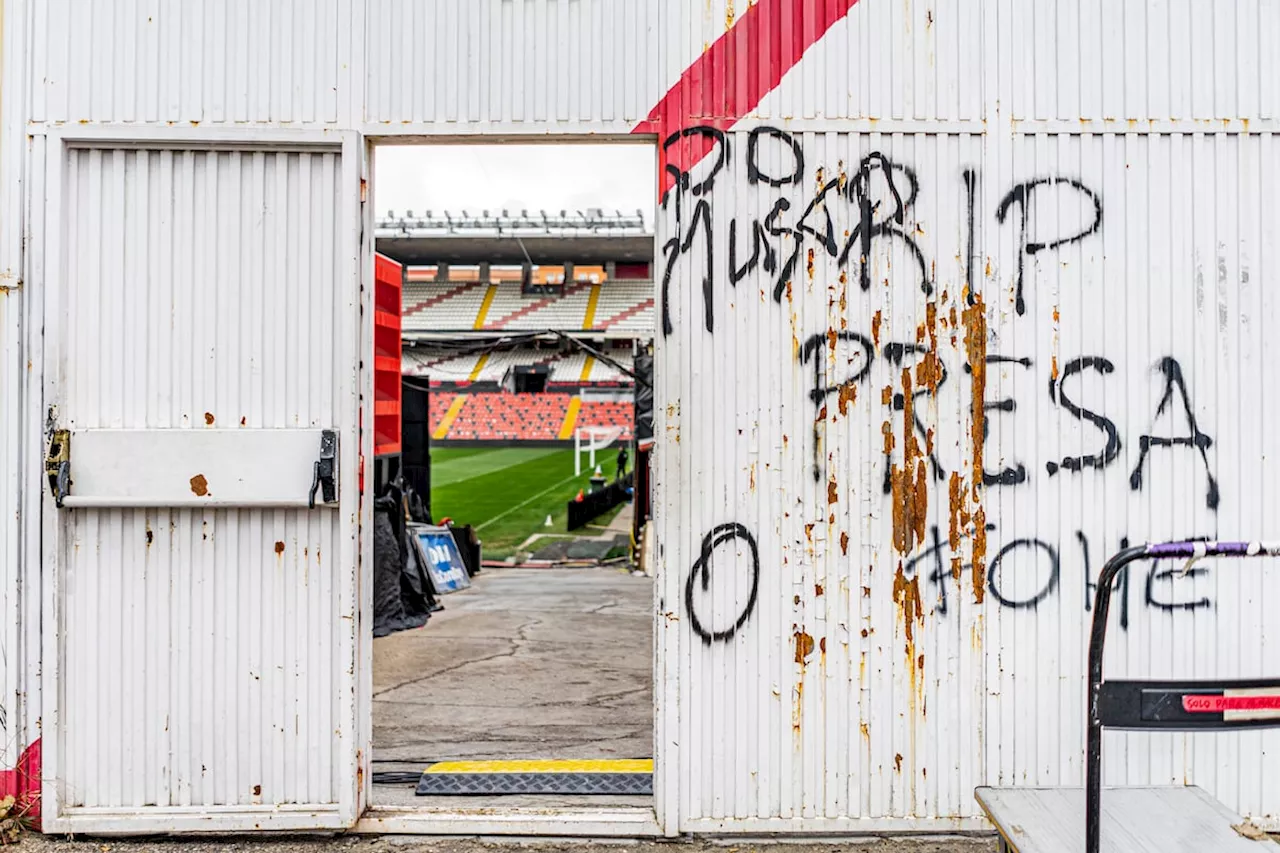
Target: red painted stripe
[(1200, 704), (23, 783), (732, 76)]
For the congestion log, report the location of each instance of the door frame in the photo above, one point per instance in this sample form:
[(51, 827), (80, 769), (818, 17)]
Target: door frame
[(354, 653)]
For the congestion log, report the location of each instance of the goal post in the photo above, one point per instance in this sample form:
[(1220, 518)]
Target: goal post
[(588, 440)]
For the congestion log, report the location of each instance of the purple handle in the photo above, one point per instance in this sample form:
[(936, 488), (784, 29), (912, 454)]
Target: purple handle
[(1213, 549)]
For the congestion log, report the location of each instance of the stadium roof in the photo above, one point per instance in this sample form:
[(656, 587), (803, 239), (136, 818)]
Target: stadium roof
[(582, 237)]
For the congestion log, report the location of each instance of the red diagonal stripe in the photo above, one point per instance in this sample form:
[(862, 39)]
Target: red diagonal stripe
[(731, 77), (1210, 704)]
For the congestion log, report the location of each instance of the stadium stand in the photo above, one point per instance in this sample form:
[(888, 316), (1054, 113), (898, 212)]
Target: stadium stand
[(621, 306), (625, 306), (508, 417), (566, 368), (607, 414), (504, 417), (447, 306), (549, 312)]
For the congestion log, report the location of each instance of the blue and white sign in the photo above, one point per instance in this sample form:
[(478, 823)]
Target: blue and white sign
[(439, 553)]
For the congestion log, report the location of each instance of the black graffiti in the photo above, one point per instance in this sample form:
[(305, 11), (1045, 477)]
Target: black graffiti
[(1158, 574), (756, 175), (718, 536), (1057, 392), (677, 246), (881, 193), (1023, 196), (1018, 473), (996, 581), (895, 353), (820, 391), (1039, 565), (1173, 380), (683, 179), (1121, 582), (970, 203), (869, 228)]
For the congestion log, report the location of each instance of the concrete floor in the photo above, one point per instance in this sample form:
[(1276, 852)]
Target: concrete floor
[(528, 663)]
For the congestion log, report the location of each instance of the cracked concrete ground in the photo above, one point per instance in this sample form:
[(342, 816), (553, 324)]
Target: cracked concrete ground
[(532, 663), (528, 663), (403, 844)]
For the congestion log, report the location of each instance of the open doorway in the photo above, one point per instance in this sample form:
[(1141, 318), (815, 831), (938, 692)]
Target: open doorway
[(513, 646)]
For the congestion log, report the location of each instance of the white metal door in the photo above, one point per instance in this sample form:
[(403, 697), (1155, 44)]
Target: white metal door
[(202, 328)]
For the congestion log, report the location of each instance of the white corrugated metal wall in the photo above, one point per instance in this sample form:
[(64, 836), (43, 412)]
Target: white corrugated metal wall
[(1162, 113), (862, 679)]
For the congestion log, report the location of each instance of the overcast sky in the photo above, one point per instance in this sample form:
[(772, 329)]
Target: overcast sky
[(515, 177)]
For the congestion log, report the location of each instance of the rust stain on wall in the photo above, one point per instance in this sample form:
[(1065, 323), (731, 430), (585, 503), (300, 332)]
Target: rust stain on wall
[(929, 370), (804, 646), (886, 395), (809, 264), (848, 395), (817, 591), (907, 594), (199, 485), (844, 543), (975, 342), (910, 487), (833, 492), (875, 329)]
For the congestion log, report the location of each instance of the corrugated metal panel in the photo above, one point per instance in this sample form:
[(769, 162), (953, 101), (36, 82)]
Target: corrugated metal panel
[(511, 62), (13, 670), (1177, 59), (11, 740), (200, 649), (286, 61), (912, 635)]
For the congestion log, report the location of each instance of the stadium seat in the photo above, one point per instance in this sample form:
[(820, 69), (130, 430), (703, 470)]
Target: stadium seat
[(622, 306), (601, 413)]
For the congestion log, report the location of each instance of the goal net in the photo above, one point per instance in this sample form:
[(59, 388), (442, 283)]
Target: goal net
[(588, 440)]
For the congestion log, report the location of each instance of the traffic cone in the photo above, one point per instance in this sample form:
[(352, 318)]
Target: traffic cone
[(580, 496), (548, 522), (599, 473)]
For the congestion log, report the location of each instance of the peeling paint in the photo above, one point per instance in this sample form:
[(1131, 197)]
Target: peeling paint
[(804, 646), (848, 395), (975, 341), (909, 483), (907, 595)]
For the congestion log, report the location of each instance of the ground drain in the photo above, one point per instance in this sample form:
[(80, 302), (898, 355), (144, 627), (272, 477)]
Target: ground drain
[(628, 776)]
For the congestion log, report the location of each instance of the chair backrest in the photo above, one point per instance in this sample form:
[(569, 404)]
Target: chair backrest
[(1167, 705)]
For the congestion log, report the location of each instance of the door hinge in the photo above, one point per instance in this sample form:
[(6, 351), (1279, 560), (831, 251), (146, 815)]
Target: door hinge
[(325, 479), (57, 465)]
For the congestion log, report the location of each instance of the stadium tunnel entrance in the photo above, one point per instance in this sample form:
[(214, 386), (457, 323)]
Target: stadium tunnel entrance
[(513, 589)]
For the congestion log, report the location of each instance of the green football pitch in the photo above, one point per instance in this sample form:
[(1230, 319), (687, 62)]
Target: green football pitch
[(506, 493)]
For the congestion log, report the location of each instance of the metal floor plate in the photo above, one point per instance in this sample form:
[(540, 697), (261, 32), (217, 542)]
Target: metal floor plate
[(470, 778)]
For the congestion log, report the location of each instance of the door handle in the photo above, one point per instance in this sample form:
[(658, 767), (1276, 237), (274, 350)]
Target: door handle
[(325, 477), (57, 465)]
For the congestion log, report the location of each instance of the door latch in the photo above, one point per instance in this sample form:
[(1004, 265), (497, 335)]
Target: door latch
[(325, 479), (57, 465)]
